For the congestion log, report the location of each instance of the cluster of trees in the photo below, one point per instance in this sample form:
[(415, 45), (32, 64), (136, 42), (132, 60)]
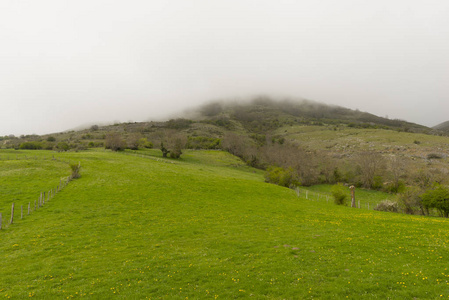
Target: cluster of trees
[(48, 145), (116, 142), (418, 200), (291, 165)]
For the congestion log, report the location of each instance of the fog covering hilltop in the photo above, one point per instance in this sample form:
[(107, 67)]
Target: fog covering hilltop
[(263, 113)]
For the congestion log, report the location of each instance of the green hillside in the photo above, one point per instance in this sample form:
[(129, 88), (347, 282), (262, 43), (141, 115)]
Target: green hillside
[(203, 227), (443, 126)]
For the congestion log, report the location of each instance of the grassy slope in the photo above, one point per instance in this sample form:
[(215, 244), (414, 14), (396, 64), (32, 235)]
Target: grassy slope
[(20, 177), (368, 198), (345, 138), (134, 227)]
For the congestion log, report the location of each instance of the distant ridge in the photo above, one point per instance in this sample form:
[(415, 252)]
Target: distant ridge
[(263, 113), (443, 126)]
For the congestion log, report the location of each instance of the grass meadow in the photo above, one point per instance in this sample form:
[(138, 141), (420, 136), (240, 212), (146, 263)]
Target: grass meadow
[(202, 227), (368, 198)]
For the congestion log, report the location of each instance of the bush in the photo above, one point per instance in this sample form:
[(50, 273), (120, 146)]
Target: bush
[(75, 171), (114, 142), (31, 145), (62, 146), (201, 142), (395, 188), (177, 149), (281, 176), (437, 198), (144, 143), (410, 201), (387, 205), (340, 194)]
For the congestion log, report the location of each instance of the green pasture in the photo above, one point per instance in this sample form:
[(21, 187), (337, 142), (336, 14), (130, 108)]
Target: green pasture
[(137, 226), (340, 138), (367, 198)]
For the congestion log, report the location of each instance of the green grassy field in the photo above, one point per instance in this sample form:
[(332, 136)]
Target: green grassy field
[(368, 198), (351, 139), (205, 227)]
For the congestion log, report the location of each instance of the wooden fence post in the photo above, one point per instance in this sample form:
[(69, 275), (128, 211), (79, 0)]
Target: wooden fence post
[(352, 188), (12, 214)]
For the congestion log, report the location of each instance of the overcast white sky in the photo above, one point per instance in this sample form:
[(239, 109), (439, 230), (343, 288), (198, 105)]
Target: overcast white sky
[(69, 63)]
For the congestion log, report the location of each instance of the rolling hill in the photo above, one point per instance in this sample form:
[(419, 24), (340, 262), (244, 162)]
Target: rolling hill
[(136, 225), (442, 127)]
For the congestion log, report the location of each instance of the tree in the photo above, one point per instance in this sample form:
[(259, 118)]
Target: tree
[(164, 150), (133, 141), (410, 201), (62, 146), (369, 165), (397, 169), (177, 149), (281, 176), (114, 142), (437, 198), (144, 143)]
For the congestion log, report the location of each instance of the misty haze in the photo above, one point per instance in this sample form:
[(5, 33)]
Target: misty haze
[(224, 149), (66, 64)]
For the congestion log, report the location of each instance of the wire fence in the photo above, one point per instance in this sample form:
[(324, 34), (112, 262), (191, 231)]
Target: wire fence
[(43, 198), (328, 198)]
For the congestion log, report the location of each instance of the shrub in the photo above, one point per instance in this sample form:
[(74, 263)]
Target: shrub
[(387, 205), (177, 149), (340, 193), (76, 168), (31, 145), (62, 146), (201, 142), (144, 143), (281, 176), (410, 201), (114, 142), (437, 198), (51, 139), (395, 187)]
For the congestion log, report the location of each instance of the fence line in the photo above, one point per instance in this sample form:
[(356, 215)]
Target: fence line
[(149, 157), (326, 197), (44, 197)]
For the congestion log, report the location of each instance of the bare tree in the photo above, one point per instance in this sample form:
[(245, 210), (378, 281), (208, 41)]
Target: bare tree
[(115, 142), (370, 164), (133, 141)]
